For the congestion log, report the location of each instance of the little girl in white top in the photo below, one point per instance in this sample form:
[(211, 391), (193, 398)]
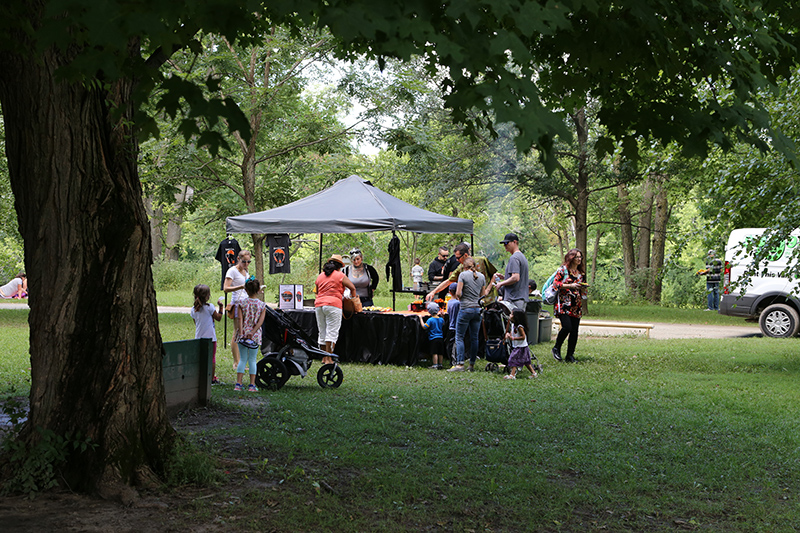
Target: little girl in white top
[(520, 353), (204, 315)]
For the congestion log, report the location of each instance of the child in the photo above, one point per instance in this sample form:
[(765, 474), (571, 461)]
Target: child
[(252, 312), (16, 288), (435, 326), (520, 354), (204, 315), (416, 274), (453, 306)]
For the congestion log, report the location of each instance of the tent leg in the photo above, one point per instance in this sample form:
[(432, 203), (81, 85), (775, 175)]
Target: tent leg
[(320, 252)]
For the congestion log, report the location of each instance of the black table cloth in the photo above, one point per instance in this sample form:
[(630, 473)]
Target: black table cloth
[(377, 338)]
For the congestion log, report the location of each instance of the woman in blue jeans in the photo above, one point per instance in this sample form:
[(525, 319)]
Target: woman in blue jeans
[(471, 286)]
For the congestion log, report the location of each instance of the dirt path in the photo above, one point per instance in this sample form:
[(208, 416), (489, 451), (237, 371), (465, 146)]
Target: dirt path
[(663, 330)]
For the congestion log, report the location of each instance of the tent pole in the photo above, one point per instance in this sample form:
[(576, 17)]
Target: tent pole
[(472, 243), (320, 252), (394, 294)]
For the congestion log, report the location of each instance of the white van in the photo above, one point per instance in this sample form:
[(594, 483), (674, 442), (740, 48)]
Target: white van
[(768, 298)]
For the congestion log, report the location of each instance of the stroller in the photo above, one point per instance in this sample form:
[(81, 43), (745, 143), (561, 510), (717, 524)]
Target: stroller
[(495, 324), (293, 357)]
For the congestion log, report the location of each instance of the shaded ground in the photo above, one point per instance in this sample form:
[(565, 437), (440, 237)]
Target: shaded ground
[(184, 509)]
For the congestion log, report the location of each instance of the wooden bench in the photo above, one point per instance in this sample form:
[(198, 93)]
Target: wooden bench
[(604, 324)]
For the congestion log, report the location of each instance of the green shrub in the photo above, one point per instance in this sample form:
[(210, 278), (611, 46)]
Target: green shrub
[(184, 275), (11, 259)]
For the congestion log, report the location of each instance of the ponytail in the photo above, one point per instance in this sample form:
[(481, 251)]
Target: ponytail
[(201, 295), (469, 264)]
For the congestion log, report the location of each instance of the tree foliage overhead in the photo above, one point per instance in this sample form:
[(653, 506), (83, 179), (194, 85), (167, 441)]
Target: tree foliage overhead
[(517, 61)]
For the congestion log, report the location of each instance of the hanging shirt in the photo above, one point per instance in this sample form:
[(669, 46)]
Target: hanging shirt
[(227, 253), (393, 268), (279, 254)]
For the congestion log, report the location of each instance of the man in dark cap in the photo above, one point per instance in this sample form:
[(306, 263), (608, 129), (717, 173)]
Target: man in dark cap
[(515, 282)]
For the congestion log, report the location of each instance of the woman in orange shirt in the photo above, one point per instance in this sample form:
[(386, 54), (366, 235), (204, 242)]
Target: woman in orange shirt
[(330, 285)]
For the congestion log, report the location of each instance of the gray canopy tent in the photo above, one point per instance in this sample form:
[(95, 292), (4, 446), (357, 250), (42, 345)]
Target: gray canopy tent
[(352, 205)]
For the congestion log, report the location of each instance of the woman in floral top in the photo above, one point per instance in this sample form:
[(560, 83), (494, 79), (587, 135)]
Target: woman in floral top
[(570, 282)]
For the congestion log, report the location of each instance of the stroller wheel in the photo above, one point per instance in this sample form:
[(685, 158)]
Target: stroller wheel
[(330, 376), (271, 373), (491, 367)]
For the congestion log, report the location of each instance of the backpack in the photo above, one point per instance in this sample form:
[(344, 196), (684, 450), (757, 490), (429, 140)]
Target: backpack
[(549, 293)]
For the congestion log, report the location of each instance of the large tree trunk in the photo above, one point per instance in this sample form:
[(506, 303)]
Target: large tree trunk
[(95, 344), (626, 236)]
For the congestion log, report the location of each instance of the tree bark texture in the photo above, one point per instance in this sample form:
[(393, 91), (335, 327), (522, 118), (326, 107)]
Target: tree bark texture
[(156, 234), (96, 363), (645, 224), (661, 219), (626, 236), (581, 204)]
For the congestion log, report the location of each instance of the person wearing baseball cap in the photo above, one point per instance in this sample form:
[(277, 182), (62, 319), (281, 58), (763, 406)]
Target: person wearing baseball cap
[(515, 281), (435, 327)]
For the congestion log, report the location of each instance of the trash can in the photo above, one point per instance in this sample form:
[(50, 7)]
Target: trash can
[(532, 309), (545, 329)]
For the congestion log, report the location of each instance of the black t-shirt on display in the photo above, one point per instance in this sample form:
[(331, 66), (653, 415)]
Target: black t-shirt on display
[(279, 254), (227, 253)]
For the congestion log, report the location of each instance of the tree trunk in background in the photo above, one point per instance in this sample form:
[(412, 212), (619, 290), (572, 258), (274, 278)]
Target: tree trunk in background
[(581, 202), (156, 236), (95, 344), (659, 242), (173, 239), (645, 224), (626, 236), (172, 249), (258, 255), (597, 237), (563, 242)]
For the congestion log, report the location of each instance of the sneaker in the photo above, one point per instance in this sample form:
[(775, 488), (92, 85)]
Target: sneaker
[(252, 388), (238, 386), (556, 354), (509, 376), (470, 368), (214, 381), (456, 368), (570, 359)]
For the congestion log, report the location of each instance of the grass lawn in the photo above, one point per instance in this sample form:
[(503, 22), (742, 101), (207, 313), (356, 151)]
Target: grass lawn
[(639, 435)]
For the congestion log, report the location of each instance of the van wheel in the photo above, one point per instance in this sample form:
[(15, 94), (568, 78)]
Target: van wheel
[(779, 320)]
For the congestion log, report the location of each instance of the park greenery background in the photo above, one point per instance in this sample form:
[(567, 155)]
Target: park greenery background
[(641, 434)]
